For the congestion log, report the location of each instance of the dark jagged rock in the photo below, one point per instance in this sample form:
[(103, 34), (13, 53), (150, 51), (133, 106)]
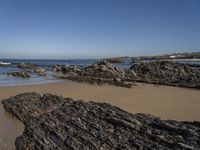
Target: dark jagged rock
[(57, 68), (104, 69), (70, 68), (66, 68), (168, 73), (53, 122), (21, 74), (99, 73), (160, 72)]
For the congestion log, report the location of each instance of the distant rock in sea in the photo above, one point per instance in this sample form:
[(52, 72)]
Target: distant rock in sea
[(21, 74), (26, 66), (53, 122)]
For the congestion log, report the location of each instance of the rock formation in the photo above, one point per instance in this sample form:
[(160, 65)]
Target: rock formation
[(99, 73), (53, 122), (41, 71), (160, 72), (21, 74), (168, 73), (26, 66)]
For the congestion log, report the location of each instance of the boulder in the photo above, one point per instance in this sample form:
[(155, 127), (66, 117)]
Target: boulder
[(104, 69), (70, 68)]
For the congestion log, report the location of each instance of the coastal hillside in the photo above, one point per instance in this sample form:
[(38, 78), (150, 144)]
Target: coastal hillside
[(173, 56)]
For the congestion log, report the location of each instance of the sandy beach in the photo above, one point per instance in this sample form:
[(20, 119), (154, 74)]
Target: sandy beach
[(163, 101)]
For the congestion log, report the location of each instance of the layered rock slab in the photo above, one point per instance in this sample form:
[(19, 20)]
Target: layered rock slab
[(53, 122), (168, 73)]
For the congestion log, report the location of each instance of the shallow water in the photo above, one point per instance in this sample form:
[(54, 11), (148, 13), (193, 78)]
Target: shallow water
[(14, 81), (10, 128)]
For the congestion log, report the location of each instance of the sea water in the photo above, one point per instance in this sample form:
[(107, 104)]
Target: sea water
[(6, 80)]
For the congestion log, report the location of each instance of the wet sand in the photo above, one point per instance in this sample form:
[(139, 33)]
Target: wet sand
[(163, 101), (10, 128)]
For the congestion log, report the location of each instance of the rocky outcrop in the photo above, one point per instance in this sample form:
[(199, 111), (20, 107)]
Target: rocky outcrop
[(21, 74), (104, 69), (168, 73), (160, 72), (41, 71), (99, 73), (66, 68), (57, 68), (53, 122), (26, 66)]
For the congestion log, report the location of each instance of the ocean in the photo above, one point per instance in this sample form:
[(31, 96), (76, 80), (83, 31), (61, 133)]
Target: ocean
[(35, 79)]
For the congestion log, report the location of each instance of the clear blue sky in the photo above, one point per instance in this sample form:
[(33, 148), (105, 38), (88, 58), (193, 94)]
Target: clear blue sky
[(97, 28)]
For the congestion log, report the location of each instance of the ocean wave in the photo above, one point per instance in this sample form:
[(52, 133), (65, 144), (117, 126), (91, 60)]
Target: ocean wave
[(5, 63)]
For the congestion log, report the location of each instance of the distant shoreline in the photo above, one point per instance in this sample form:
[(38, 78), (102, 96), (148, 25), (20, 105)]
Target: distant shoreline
[(185, 59)]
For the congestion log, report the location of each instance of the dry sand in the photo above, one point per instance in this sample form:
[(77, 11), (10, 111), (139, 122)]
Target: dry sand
[(163, 101)]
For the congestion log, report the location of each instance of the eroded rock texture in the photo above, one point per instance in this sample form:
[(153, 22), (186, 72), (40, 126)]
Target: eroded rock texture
[(168, 73), (53, 122), (99, 73), (160, 72)]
